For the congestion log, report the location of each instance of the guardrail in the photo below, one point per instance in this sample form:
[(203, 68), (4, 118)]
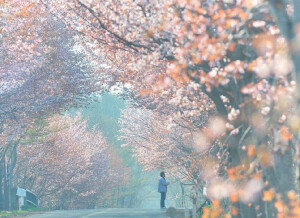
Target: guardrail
[(31, 198)]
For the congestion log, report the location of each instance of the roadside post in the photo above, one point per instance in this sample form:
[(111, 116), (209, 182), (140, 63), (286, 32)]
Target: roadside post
[(21, 193)]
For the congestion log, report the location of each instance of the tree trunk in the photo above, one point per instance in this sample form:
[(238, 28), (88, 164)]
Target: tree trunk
[(13, 162), (1, 185), (5, 185)]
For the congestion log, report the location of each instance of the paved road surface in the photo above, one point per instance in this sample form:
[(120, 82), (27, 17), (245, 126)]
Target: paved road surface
[(105, 213)]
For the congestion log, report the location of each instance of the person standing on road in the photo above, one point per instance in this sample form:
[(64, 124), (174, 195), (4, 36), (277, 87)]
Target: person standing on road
[(162, 188)]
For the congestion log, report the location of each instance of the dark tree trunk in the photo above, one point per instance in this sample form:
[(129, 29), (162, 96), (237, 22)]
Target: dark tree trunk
[(5, 186), (1, 185), (13, 162), (285, 171)]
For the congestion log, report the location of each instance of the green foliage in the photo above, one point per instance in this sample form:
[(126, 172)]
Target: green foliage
[(11, 213), (35, 132), (104, 115), (21, 212)]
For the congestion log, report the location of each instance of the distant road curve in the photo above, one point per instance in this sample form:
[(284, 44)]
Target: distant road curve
[(105, 213)]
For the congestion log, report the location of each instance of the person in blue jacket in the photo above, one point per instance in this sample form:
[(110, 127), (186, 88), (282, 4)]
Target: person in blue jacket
[(162, 188)]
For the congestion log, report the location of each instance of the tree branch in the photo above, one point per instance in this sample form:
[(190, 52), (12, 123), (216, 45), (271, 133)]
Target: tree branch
[(124, 41)]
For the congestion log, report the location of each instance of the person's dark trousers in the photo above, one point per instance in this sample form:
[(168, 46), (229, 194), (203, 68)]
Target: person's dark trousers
[(162, 199)]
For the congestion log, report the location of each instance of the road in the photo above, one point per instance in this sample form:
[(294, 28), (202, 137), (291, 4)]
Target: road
[(105, 213)]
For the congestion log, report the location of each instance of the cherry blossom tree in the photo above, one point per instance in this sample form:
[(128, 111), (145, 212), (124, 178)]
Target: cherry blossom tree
[(236, 52), (234, 55), (177, 147), (64, 163), (41, 71)]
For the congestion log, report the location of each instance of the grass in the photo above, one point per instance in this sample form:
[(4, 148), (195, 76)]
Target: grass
[(12, 213), (20, 212)]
